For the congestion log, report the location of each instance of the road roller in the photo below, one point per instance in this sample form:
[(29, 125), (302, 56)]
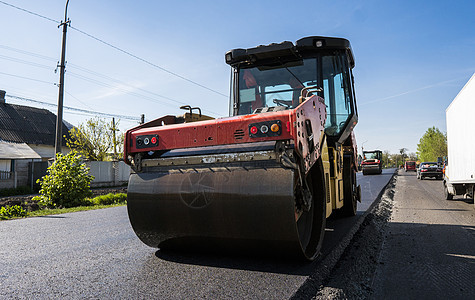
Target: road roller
[(265, 178)]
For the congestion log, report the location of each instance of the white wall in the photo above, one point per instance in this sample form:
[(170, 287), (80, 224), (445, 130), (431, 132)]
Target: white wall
[(108, 173), (47, 151)]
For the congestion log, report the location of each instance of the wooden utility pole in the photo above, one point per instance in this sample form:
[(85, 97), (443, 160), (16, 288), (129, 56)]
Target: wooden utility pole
[(59, 117), (114, 140)]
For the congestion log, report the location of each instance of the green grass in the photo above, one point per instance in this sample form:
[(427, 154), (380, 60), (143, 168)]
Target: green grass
[(99, 202), (58, 211)]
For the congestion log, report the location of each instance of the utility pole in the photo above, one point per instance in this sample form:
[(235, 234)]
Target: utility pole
[(59, 117), (114, 140)]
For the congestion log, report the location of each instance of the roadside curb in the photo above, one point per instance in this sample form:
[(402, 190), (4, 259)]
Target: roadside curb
[(312, 284)]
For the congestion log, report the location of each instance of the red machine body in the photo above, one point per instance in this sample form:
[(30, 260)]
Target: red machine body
[(235, 130)]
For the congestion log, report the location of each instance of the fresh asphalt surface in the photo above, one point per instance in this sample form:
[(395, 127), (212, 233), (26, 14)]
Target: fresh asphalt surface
[(429, 252), (95, 254)]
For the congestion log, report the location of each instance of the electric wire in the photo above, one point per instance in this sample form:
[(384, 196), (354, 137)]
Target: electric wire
[(148, 62), (120, 50), (28, 11), (27, 78), (96, 82), (76, 109)]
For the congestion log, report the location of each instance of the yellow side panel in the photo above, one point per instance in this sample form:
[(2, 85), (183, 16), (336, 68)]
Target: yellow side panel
[(339, 203), (338, 163), (326, 171)]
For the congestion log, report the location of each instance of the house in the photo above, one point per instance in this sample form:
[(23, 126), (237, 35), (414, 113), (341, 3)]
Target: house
[(27, 135)]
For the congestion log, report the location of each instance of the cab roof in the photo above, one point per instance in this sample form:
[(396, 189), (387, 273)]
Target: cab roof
[(287, 51)]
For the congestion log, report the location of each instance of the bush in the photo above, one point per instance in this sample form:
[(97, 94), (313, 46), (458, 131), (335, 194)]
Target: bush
[(67, 183), (110, 199), (21, 190), (16, 211)]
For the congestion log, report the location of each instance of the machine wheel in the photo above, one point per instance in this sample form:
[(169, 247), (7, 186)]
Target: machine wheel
[(448, 196), (311, 224), (349, 189)]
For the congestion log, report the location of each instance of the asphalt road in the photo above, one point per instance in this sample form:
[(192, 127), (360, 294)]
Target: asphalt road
[(95, 254), (429, 251)]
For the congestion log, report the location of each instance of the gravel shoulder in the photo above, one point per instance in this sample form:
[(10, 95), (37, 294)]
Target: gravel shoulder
[(352, 276)]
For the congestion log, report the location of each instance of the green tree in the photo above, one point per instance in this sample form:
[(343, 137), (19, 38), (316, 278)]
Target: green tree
[(385, 159), (433, 144), (94, 140), (67, 183), (412, 156), (403, 151)]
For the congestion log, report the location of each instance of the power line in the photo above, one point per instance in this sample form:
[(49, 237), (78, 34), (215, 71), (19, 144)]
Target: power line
[(88, 79), (148, 62), (25, 62), (120, 50), (76, 109), (27, 78), (28, 53), (28, 11)]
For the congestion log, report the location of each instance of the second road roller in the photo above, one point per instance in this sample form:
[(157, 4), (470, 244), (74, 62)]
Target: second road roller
[(265, 178)]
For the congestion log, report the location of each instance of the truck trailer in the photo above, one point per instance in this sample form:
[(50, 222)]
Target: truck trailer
[(459, 178), (263, 179)]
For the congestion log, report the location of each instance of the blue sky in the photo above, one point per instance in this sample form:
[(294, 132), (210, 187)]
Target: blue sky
[(412, 57)]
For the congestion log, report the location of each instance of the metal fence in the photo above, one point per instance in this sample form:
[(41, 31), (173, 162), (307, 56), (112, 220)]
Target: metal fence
[(6, 175)]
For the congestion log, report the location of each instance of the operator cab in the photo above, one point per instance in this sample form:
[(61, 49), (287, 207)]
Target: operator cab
[(271, 78)]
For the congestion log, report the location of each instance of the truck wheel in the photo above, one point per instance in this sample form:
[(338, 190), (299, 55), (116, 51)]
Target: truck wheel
[(349, 189), (448, 196)]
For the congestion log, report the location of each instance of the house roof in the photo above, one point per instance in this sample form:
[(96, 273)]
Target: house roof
[(30, 125), (16, 151)]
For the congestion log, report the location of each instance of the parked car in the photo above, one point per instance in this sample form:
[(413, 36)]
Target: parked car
[(429, 169), (410, 166)]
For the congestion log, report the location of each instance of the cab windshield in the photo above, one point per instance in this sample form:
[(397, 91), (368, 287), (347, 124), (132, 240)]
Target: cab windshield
[(371, 155), (262, 88)]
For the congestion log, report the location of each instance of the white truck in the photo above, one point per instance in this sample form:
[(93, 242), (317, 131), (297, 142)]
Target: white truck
[(459, 176)]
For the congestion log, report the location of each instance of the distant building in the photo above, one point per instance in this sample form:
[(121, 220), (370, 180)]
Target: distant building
[(27, 135)]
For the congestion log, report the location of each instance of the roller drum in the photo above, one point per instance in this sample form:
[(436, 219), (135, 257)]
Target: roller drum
[(243, 208)]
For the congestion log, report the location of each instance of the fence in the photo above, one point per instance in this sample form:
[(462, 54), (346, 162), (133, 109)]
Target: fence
[(8, 180), (5, 175), (108, 173)]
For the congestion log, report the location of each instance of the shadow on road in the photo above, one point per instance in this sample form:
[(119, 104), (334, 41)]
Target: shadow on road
[(249, 262)]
